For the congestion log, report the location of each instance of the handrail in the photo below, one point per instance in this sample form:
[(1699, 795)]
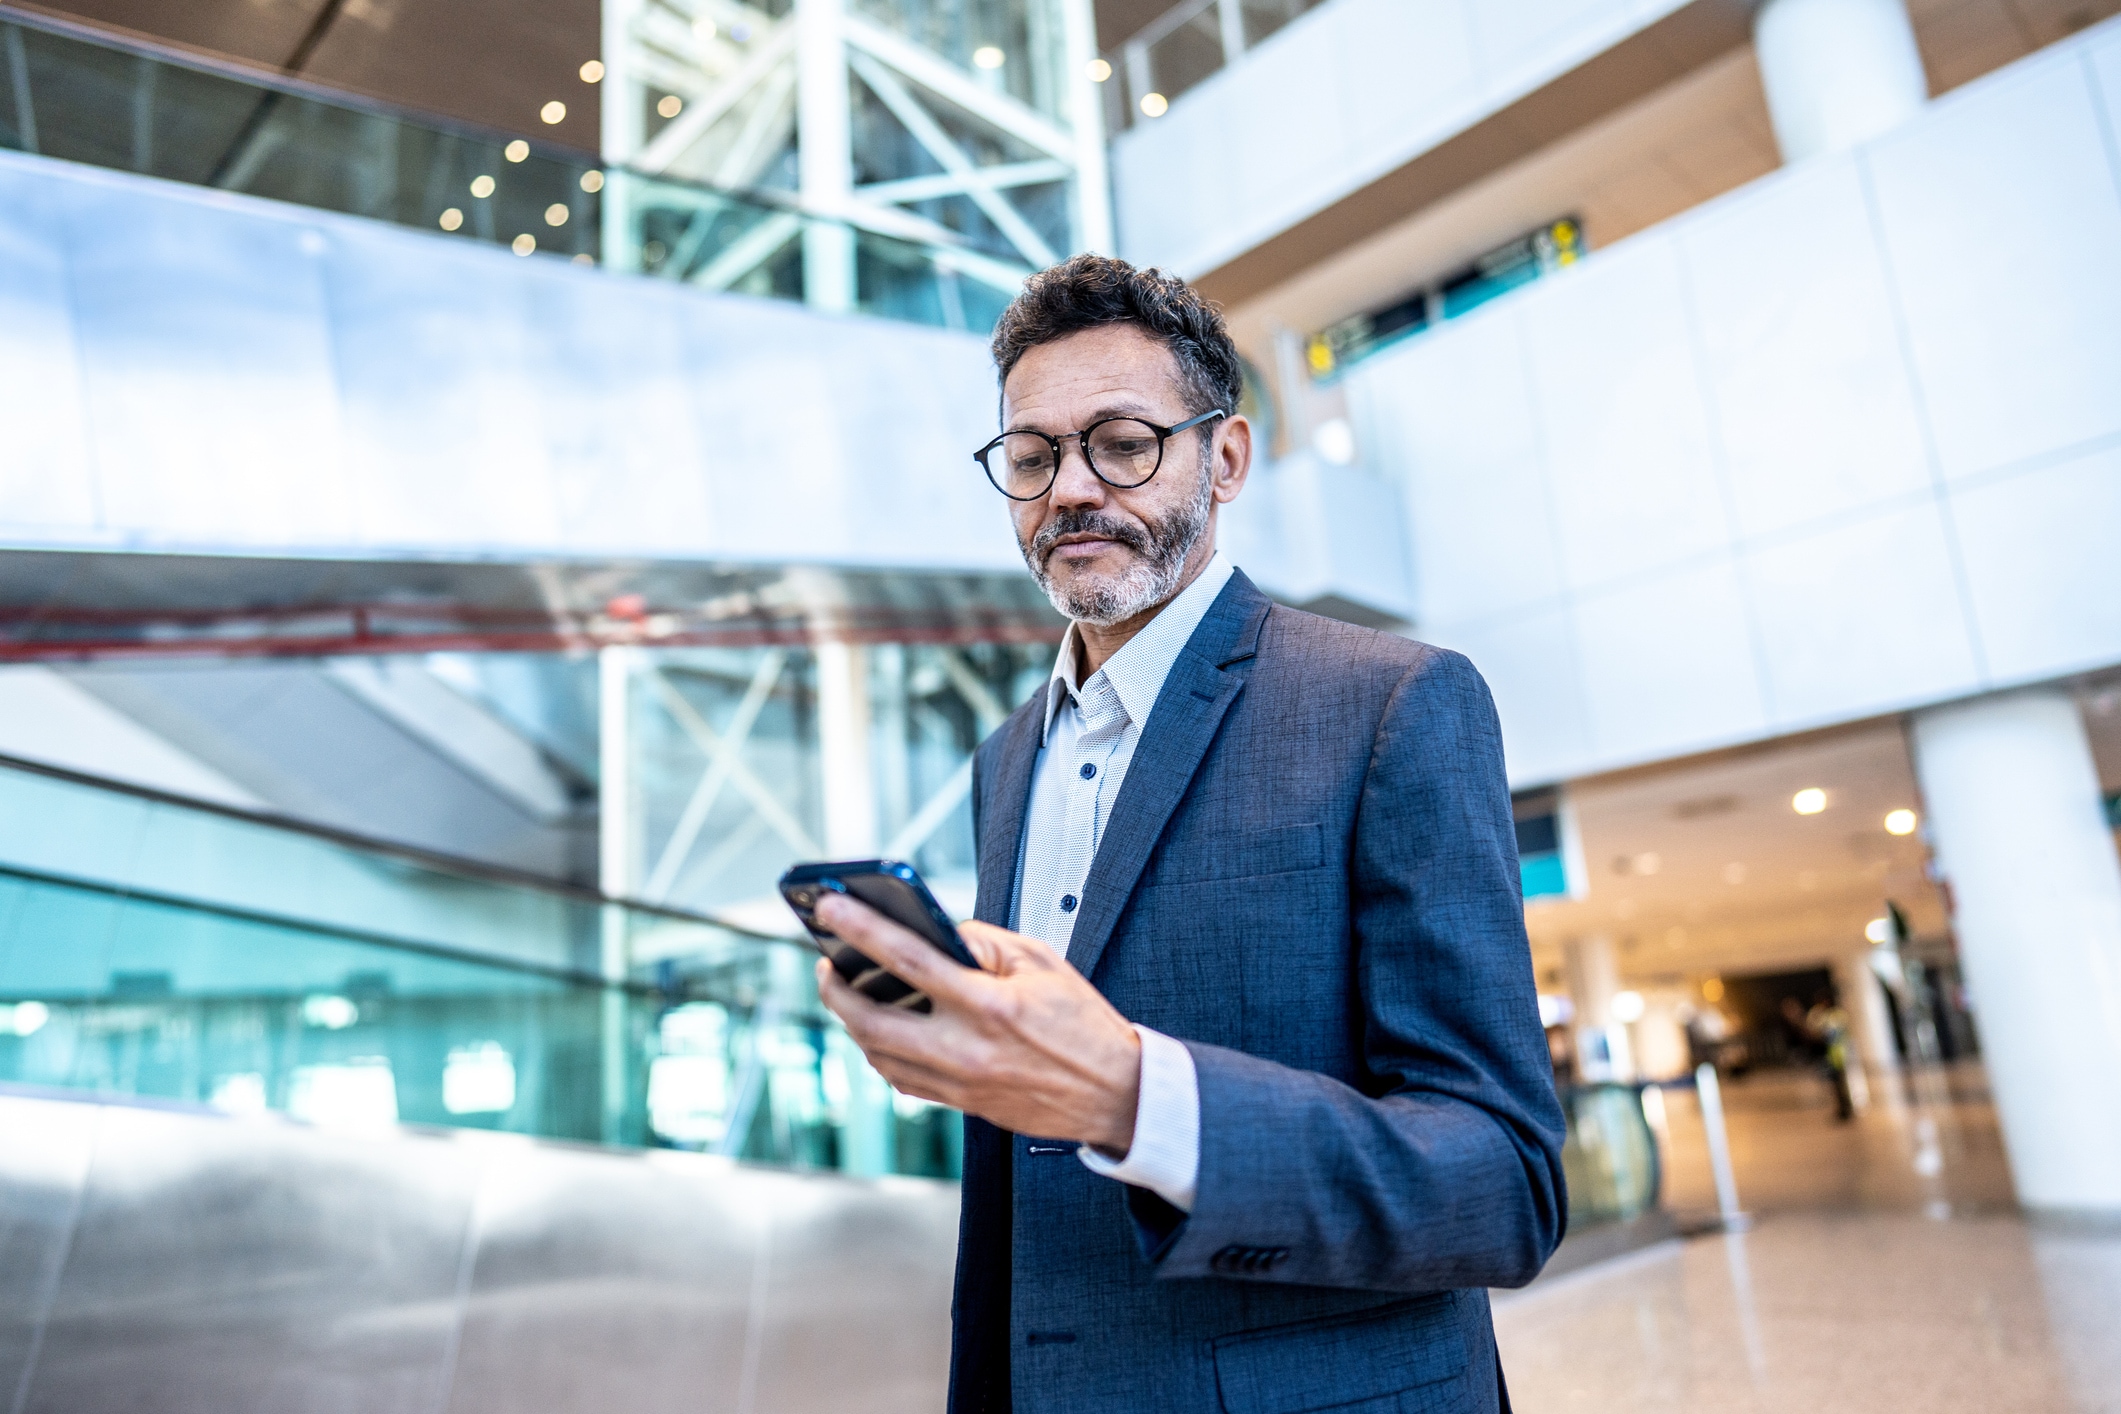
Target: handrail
[(436, 860)]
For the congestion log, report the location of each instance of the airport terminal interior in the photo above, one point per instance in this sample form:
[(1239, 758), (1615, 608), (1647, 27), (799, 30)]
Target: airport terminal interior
[(484, 488)]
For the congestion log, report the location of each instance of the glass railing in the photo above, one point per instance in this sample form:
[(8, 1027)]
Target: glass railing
[(69, 92), (157, 949), (1184, 46), (1610, 1156)]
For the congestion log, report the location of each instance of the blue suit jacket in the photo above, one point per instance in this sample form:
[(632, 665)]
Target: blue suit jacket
[(1310, 878)]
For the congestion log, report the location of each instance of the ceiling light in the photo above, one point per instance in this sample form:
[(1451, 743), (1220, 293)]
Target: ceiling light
[(592, 180), (670, 105), (1626, 1007), (1712, 989), (516, 151), (1098, 70), (593, 71), (1155, 105), (703, 29), (989, 57), (1900, 822), (553, 112), (584, 258), (1809, 801), (524, 244), (24, 1018), (556, 214), (482, 186), (1879, 930), (451, 219), (329, 1012)]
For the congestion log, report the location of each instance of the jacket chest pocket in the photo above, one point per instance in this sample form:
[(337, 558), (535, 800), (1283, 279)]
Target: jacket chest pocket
[(1245, 854)]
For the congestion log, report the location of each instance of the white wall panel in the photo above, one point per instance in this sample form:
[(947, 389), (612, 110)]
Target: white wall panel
[(43, 437), (1861, 618), (1901, 486), (2043, 564), (1804, 363), (1668, 665), (207, 375), (1452, 420), (1618, 391), (1294, 127), (2001, 218), (1530, 663)]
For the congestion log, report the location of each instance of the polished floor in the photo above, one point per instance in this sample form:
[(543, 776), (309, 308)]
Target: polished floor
[(1886, 1270)]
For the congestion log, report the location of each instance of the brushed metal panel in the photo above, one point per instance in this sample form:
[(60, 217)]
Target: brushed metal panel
[(43, 1163), (230, 1266), (609, 1281), (855, 1302)]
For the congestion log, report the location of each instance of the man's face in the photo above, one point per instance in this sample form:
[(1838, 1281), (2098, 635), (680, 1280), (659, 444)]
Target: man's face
[(1103, 554)]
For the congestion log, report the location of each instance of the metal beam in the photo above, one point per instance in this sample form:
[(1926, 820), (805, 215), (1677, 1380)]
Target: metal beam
[(1008, 174), (687, 832), (958, 88), (692, 124)]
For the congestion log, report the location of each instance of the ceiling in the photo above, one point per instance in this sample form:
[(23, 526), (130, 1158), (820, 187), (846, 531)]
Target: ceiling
[(1703, 866), (493, 63), (1691, 140)]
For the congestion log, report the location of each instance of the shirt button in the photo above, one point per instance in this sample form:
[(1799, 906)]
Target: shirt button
[(1067, 903), (1088, 770)]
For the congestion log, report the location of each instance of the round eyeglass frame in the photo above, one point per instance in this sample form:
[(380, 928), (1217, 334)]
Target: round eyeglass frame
[(1082, 439)]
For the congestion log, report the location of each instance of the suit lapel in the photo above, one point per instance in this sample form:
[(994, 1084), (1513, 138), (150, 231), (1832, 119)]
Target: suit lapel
[(1189, 710), (1008, 795)]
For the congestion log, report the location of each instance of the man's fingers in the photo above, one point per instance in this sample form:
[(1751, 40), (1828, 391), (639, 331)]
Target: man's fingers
[(1001, 951), (898, 950)]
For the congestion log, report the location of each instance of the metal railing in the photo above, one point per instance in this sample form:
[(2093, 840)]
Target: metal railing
[(1187, 44), (72, 92)]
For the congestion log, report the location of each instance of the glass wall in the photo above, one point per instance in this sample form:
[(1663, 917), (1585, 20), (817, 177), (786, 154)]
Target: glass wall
[(72, 93)]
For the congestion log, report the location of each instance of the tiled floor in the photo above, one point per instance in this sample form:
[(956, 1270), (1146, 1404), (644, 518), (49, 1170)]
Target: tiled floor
[(1887, 1271)]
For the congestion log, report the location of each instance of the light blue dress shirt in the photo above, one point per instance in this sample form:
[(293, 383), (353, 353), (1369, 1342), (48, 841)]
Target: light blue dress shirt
[(1091, 731)]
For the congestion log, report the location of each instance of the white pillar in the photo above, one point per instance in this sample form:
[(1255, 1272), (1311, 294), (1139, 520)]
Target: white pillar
[(618, 869), (2015, 814), (1870, 1026), (1837, 72), (1086, 111), (824, 154), (1602, 1050)]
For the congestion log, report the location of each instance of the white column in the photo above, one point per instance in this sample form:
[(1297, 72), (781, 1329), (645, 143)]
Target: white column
[(1863, 998), (619, 113), (1837, 72), (824, 157), (2015, 814), (1602, 1050), (1086, 111)]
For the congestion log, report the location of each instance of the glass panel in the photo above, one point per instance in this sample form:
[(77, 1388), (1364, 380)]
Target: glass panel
[(1023, 55), (1187, 55), (90, 99), (1610, 1156), (1263, 17)]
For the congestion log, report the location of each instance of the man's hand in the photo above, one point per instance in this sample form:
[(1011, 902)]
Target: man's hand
[(1026, 1042)]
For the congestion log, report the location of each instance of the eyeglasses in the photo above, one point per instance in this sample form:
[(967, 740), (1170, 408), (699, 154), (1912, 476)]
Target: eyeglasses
[(1123, 452)]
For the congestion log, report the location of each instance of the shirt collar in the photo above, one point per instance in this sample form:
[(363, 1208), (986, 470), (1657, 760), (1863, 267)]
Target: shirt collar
[(1137, 671)]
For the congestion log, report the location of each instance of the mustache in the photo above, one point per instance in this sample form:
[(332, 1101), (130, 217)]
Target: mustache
[(1096, 523)]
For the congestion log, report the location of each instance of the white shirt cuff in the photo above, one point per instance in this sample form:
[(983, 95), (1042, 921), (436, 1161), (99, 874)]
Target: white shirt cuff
[(1165, 1158)]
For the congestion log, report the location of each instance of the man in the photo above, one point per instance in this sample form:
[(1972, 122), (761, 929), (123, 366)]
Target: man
[(1258, 1103)]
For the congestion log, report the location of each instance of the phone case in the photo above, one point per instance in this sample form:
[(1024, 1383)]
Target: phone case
[(891, 888)]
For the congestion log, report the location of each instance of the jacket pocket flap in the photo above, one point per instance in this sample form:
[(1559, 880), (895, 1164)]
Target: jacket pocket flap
[(1341, 1359)]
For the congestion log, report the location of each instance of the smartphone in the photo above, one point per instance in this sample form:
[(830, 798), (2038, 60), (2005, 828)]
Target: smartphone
[(892, 889)]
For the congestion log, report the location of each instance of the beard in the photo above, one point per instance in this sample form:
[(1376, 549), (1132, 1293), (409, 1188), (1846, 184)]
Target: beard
[(1161, 548)]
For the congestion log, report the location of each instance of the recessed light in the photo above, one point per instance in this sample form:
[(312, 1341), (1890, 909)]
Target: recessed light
[(556, 214), (524, 244), (593, 71), (451, 219), (482, 186), (584, 258), (1098, 70), (516, 151), (1878, 930), (1155, 105), (1626, 1007), (1809, 801), (670, 105), (592, 180), (989, 57), (553, 112), (1900, 822)]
